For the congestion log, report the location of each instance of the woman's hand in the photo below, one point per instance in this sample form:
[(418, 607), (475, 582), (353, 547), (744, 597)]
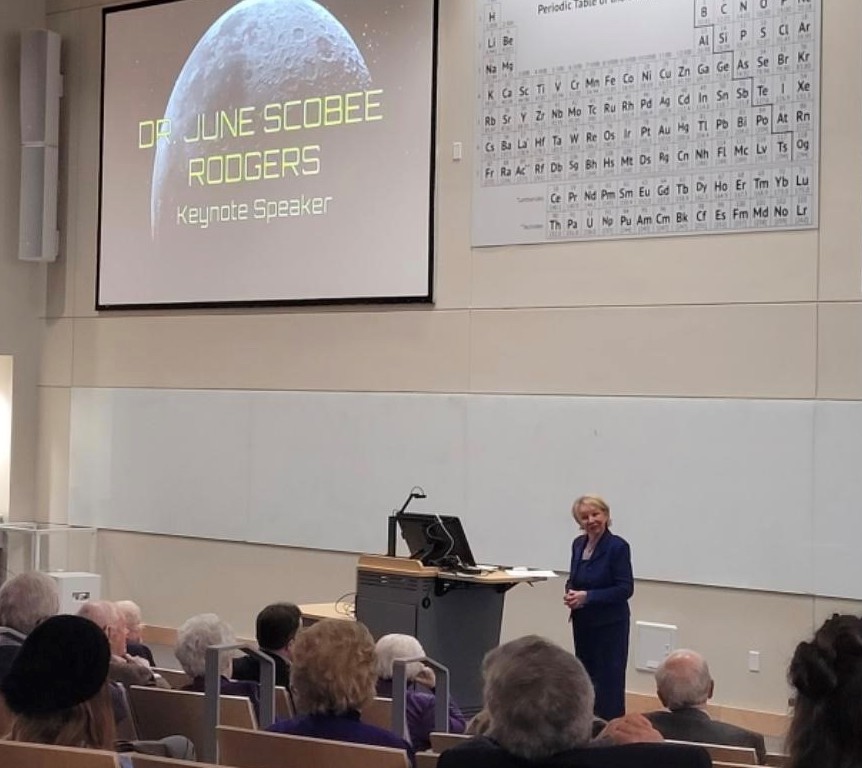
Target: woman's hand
[(574, 599)]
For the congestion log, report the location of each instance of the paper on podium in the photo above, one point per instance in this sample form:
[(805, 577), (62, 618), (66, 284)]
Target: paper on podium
[(534, 572)]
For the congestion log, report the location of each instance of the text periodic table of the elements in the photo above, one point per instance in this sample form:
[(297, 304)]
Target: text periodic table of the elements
[(633, 118)]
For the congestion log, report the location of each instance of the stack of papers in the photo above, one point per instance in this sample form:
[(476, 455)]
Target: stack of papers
[(535, 573)]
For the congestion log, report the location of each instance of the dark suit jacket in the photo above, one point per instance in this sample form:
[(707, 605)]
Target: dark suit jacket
[(9, 647), (482, 752), (694, 724), (139, 649), (248, 668), (606, 577)]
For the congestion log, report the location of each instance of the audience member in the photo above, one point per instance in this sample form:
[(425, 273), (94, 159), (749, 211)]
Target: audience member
[(826, 673), (419, 704), (57, 686), (26, 600), (333, 678), (275, 629), (59, 692), (131, 613), (684, 685), (193, 638), (125, 669), (539, 700)]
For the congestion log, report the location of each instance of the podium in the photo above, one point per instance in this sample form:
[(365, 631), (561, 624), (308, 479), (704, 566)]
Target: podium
[(455, 616)]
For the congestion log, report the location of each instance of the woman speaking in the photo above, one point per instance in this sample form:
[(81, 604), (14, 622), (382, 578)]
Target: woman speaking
[(597, 593)]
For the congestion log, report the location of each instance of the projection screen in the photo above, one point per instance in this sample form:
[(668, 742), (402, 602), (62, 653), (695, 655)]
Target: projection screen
[(266, 152)]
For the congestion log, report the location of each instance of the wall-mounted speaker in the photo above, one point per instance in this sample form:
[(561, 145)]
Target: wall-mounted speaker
[(41, 89)]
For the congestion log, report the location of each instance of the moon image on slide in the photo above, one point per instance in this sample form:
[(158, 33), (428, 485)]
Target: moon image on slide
[(258, 52)]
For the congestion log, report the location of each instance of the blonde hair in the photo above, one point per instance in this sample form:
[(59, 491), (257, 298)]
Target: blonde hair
[(333, 667), (591, 500)]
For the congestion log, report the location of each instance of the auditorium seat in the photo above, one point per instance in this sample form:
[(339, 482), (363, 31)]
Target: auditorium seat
[(258, 749), (21, 755), (283, 704), (151, 761), (175, 678), (378, 712), (723, 753), (440, 741), (723, 764), (159, 713), (427, 759)]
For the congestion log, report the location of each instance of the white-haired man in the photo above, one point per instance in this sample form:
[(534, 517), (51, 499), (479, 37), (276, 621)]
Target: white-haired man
[(684, 685)]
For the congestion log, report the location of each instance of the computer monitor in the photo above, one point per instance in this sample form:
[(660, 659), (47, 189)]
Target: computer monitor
[(436, 540)]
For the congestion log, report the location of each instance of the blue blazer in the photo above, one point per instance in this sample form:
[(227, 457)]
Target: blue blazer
[(606, 577)]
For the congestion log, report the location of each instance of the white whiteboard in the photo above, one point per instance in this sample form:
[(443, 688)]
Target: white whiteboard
[(307, 469), (740, 493), (327, 470), (698, 487), (836, 522), (644, 118)]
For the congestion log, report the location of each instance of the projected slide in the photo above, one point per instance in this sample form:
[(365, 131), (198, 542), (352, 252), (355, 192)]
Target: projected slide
[(267, 152)]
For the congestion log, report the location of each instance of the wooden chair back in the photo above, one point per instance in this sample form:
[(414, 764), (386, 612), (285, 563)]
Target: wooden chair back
[(283, 704), (21, 755), (159, 712), (723, 764), (259, 749), (777, 760), (378, 712), (151, 761), (725, 754), (126, 730), (175, 678), (440, 742), (427, 759)]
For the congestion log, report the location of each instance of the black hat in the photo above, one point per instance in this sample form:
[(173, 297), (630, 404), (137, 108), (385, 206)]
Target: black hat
[(63, 662)]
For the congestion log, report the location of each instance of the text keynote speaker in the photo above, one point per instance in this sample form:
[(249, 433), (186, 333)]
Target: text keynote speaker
[(597, 594)]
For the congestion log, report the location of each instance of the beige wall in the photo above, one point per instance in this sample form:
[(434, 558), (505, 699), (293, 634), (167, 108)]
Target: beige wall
[(767, 315), (22, 285), (5, 432)]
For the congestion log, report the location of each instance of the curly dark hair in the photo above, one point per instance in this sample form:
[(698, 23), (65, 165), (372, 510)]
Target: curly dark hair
[(826, 729)]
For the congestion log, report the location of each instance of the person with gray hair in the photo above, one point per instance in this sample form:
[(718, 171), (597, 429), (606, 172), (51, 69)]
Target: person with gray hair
[(26, 600), (125, 669), (131, 613), (421, 699), (684, 685), (197, 634), (539, 705)]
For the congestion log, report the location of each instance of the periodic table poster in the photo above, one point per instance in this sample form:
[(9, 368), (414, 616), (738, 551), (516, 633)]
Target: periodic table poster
[(637, 118)]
